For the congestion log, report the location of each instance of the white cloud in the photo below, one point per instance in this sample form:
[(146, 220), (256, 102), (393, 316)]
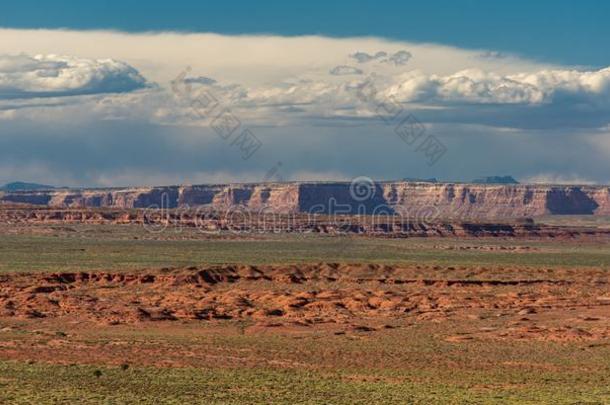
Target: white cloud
[(275, 81), (247, 59), (23, 76), (465, 96), (477, 86), (526, 112)]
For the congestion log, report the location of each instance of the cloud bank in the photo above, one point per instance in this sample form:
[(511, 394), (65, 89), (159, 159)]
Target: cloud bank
[(480, 87), (23, 76), (94, 115)]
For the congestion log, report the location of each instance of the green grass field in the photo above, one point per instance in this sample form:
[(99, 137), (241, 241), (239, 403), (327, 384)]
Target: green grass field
[(28, 384), (402, 366), (130, 247)]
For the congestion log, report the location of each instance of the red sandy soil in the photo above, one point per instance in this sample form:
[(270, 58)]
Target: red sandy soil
[(543, 304), (187, 316)]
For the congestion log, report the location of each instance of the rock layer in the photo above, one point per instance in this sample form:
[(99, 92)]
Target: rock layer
[(447, 200)]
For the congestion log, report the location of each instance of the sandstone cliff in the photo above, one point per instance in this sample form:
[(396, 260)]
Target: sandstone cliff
[(446, 200)]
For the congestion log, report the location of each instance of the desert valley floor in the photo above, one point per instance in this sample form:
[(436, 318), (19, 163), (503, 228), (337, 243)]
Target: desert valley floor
[(113, 313)]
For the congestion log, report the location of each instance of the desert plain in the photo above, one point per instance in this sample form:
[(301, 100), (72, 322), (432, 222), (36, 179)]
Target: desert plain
[(95, 309)]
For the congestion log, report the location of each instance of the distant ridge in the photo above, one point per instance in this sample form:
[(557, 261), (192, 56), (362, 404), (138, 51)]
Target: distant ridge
[(418, 180), (22, 186), (495, 180), (447, 200)]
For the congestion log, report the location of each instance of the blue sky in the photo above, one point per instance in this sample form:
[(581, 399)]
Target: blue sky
[(506, 88), (564, 31)]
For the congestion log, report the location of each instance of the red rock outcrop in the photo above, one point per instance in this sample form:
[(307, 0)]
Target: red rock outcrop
[(448, 200)]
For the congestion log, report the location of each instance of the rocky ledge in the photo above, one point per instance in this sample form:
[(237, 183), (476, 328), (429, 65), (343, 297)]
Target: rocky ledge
[(449, 200)]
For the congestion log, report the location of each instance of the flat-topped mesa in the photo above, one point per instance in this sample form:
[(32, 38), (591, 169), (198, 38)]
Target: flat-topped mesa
[(446, 200)]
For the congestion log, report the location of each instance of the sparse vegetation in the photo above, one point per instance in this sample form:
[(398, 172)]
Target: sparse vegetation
[(131, 247), (406, 359)]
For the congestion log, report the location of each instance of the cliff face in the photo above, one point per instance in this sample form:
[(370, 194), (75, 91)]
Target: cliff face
[(497, 201), (408, 198)]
